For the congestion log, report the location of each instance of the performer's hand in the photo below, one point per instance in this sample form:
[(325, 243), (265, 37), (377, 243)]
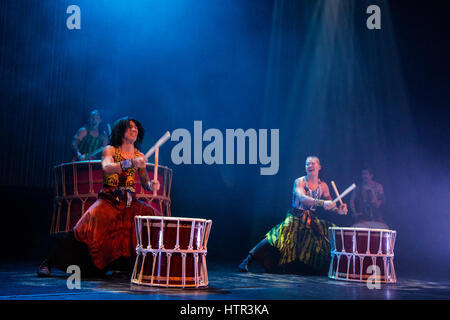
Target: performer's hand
[(139, 162), (328, 205), (342, 209), (154, 185)]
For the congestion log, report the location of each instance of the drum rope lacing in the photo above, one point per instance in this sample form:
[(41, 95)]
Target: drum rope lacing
[(200, 277), (387, 256)]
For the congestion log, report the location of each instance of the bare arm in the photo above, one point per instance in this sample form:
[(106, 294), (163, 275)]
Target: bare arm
[(81, 133), (146, 183), (143, 176), (145, 180), (108, 164), (326, 195), (299, 192)]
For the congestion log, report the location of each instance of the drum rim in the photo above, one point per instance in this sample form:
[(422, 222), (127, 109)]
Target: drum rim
[(362, 229), (100, 161), (159, 218)]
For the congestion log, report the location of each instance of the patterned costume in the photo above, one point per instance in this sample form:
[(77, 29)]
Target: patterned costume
[(299, 244), (107, 227), (90, 144)]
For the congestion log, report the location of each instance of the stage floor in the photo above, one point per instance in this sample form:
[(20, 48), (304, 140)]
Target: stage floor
[(18, 281)]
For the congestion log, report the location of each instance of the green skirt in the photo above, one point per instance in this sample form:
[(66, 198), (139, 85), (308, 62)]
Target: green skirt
[(302, 241)]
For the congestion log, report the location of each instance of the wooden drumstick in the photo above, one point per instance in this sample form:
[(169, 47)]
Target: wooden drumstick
[(346, 191), (337, 192), (158, 144), (155, 169), (155, 149)]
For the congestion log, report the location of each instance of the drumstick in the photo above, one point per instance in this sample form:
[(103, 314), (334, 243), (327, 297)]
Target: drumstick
[(337, 192), (347, 191), (155, 170), (93, 153), (159, 143)]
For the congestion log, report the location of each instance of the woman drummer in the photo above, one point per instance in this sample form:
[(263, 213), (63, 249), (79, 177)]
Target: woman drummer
[(105, 233), (300, 243), (89, 138)]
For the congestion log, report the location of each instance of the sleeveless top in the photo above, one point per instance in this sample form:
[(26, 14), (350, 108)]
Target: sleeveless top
[(89, 143), (316, 194), (123, 179)]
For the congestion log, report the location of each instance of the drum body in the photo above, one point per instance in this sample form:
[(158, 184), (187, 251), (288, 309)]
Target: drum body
[(171, 252), (362, 254), (77, 185)]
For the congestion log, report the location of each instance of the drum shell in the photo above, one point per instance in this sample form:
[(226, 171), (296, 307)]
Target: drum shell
[(362, 241), (355, 250), (161, 276), (171, 251), (164, 234), (68, 212), (77, 185), (357, 267)]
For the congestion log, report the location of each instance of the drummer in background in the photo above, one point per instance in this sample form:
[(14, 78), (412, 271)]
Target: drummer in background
[(104, 238), (300, 243), (89, 138), (367, 199)]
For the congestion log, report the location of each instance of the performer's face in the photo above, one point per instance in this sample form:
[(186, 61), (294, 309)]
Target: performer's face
[(312, 166), (132, 132), (95, 119), (366, 176)]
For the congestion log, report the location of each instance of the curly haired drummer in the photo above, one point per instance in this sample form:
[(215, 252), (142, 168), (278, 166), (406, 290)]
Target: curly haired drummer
[(300, 243), (105, 235)]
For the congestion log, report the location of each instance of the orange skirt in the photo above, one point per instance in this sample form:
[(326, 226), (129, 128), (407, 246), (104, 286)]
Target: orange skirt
[(108, 229)]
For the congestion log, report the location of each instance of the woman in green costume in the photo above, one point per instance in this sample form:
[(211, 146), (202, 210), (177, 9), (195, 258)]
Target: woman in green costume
[(89, 139), (300, 243)]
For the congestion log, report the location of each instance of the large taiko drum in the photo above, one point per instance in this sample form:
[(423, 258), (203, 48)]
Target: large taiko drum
[(362, 254), (77, 185), (171, 252)]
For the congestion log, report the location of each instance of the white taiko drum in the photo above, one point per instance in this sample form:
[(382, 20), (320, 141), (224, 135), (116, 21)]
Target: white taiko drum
[(362, 254), (78, 183), (171, 251)]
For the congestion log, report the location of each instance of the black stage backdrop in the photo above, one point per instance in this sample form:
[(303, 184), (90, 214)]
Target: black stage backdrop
[(311, 69)]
